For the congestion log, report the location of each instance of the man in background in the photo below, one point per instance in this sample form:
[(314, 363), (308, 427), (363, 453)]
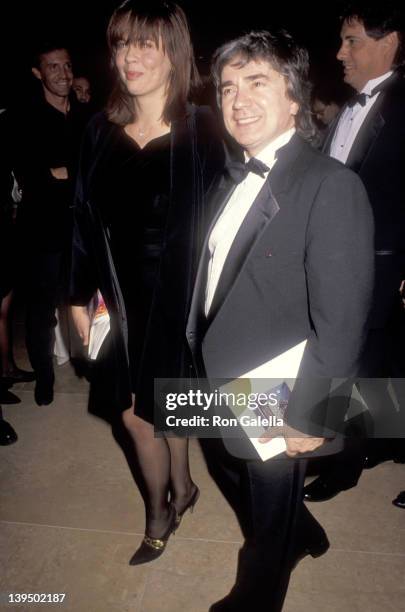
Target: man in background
[(82, 88), (369, 137), (42, 142)]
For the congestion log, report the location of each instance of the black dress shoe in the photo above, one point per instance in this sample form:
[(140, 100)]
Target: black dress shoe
[(237, 601), (399, 501), (44, 391), (226, 605), (321, 490), (7, 433), (315, 550), (6, 397), (17, 376)]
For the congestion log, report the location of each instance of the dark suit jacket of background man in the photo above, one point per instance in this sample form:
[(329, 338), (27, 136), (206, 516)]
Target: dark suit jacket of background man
[(378, 157), (300, 267), (40, 137)]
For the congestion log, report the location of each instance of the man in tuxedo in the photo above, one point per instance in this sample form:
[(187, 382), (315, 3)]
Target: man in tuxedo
[(369, 137), (288, 257)]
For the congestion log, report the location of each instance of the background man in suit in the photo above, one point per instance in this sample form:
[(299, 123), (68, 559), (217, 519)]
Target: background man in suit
[(369, 137), (288, 257), (43, 149)]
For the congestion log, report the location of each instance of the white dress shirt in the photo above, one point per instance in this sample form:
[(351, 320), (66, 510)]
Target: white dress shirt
[(224, 232), (352, 119)]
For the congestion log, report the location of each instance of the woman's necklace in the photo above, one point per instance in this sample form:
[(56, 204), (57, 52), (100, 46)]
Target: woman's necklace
[(143, 132)]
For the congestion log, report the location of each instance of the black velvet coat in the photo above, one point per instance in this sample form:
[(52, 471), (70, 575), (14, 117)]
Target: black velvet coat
[(196, 158)]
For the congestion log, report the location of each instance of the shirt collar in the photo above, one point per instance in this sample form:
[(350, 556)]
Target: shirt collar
[(369, 86), (268, 154)]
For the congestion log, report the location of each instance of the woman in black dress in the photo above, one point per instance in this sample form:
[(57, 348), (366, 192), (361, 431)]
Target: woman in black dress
[(146, 166)]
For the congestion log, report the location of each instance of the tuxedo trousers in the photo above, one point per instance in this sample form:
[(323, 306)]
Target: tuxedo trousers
[(277, 527)]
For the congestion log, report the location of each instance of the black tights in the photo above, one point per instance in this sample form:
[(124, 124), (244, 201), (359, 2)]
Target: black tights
[(165, 469)]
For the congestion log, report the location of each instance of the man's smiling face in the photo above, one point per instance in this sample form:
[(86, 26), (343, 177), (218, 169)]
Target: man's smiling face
[(255, 104), (363, 57)]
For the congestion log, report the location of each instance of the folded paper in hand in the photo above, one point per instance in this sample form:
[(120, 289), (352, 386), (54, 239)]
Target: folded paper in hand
[(99, 324), (281, 372)]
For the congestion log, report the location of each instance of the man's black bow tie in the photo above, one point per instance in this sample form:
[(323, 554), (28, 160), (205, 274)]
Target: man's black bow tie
[(238, 171), (361, 98)]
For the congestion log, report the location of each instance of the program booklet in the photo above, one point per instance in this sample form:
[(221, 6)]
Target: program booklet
[(274, 379), (99, 324)]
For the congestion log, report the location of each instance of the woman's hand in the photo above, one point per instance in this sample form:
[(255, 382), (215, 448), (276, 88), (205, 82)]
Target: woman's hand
[(81, 321)]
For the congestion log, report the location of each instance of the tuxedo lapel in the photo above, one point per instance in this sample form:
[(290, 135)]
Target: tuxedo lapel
[(364, 139), (369, 130), (327, 143), (366, 136), (262, 212)]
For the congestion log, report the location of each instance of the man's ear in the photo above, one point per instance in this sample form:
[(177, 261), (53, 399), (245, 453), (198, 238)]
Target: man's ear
[(36, 73), (391, 41)]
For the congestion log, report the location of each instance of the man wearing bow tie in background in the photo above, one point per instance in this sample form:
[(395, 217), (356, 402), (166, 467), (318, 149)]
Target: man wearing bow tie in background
[(369, 137), (287, 258)]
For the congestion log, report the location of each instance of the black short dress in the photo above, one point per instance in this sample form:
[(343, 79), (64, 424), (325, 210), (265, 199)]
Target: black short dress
[(152, 204), (133, 194)]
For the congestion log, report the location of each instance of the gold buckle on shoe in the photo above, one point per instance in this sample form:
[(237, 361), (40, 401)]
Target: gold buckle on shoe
[(154, 543)]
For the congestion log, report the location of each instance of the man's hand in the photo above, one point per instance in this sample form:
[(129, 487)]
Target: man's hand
[(61, 174), (296, 441), (295, 446), (81, 321)]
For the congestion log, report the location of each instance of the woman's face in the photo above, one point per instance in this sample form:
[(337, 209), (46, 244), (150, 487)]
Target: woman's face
[(143, 67)]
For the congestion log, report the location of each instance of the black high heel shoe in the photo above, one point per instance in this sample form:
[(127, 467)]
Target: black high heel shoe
[(152, 548), (190, 505)]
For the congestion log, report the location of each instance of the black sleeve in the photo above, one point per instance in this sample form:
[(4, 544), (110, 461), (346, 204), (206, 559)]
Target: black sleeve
[(211, 147), (83, 280), (340, 277)]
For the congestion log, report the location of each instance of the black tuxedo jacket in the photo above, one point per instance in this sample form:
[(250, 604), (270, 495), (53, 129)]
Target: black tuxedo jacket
[(378, 157), (300, 267)]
